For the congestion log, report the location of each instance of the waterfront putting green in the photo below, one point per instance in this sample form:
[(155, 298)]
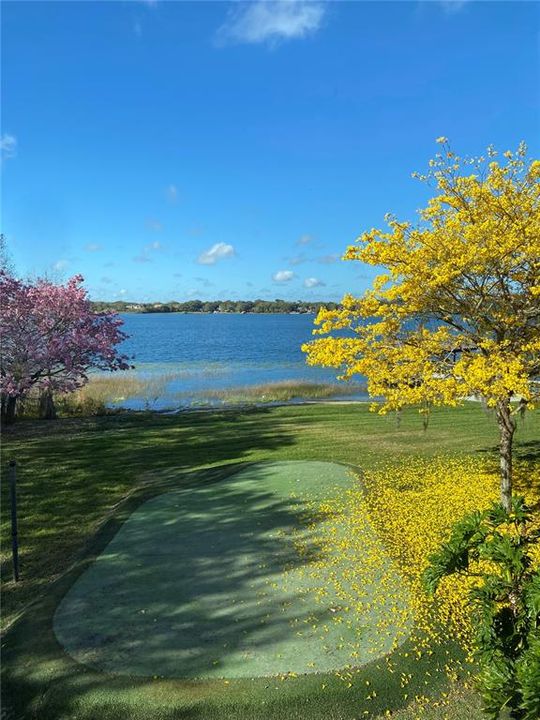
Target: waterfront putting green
[(242, 577)]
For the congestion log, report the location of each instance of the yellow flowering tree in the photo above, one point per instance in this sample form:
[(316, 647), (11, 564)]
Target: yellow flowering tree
[(456, 311)]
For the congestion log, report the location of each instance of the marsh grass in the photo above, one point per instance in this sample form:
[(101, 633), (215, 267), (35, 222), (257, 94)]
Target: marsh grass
[(104, 394), (67, 405), (118, 387), (283, 391)]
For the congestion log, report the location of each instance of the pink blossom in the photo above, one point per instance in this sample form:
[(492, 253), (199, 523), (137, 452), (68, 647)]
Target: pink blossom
[(50, 338)]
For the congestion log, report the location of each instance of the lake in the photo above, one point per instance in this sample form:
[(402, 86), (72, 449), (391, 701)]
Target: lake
[(189, 359)]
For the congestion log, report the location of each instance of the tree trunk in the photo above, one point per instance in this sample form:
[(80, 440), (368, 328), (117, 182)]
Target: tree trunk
[(47, 409), (9, 405), (507, 427)]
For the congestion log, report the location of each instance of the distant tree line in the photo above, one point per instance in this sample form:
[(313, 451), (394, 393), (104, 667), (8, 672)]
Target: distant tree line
[(215, 306)]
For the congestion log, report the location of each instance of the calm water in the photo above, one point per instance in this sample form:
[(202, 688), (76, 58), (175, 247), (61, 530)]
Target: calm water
[(187, 356)]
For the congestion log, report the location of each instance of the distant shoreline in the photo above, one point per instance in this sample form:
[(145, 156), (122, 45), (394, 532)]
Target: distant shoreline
[(216, 307), (213, 312)]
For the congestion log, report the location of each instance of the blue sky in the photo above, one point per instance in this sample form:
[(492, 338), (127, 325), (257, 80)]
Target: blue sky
[(171, 150)]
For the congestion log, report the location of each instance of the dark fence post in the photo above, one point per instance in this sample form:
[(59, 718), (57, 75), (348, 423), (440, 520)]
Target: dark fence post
[(13, 501)]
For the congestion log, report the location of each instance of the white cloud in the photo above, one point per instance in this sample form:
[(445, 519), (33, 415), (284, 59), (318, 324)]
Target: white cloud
[(453, 6), (313, 282), (283, 276), (145, 256), (60, 265), (8, 145), (93, 247), (215, 253), (271, 20), (328, 259), (304, 239), (172, 194), (123, 291), (298, 259)]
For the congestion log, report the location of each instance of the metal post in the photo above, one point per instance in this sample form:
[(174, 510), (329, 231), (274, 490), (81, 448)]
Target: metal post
[(13, 501)]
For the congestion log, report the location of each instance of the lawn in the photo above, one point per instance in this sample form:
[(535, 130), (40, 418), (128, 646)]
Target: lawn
[(226, 580), (81, 479)]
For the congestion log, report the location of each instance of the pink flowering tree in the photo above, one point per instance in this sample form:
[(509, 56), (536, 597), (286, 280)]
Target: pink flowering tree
[(50, 339)]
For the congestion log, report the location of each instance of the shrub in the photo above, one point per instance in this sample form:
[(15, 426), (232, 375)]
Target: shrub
[(499, 549)]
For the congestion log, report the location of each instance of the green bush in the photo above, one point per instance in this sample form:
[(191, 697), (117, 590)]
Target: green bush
[(497, 548)]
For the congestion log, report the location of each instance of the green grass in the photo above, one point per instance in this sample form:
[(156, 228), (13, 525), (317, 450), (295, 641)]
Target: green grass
[(252, 606), (80, 478)]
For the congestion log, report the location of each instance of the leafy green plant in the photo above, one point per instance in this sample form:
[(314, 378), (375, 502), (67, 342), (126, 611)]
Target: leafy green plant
[(497, 548)]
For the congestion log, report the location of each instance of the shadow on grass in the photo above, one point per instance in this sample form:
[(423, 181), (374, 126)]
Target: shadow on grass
[(72, 473), (526, 452), (180, 590), (47, 685), (40, 681)]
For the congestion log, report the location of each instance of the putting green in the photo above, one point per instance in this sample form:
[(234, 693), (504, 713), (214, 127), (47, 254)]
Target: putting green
[(231, 579)]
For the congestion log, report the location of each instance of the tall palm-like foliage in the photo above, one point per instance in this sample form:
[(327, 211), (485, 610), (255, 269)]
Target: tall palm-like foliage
[(499, 549)]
